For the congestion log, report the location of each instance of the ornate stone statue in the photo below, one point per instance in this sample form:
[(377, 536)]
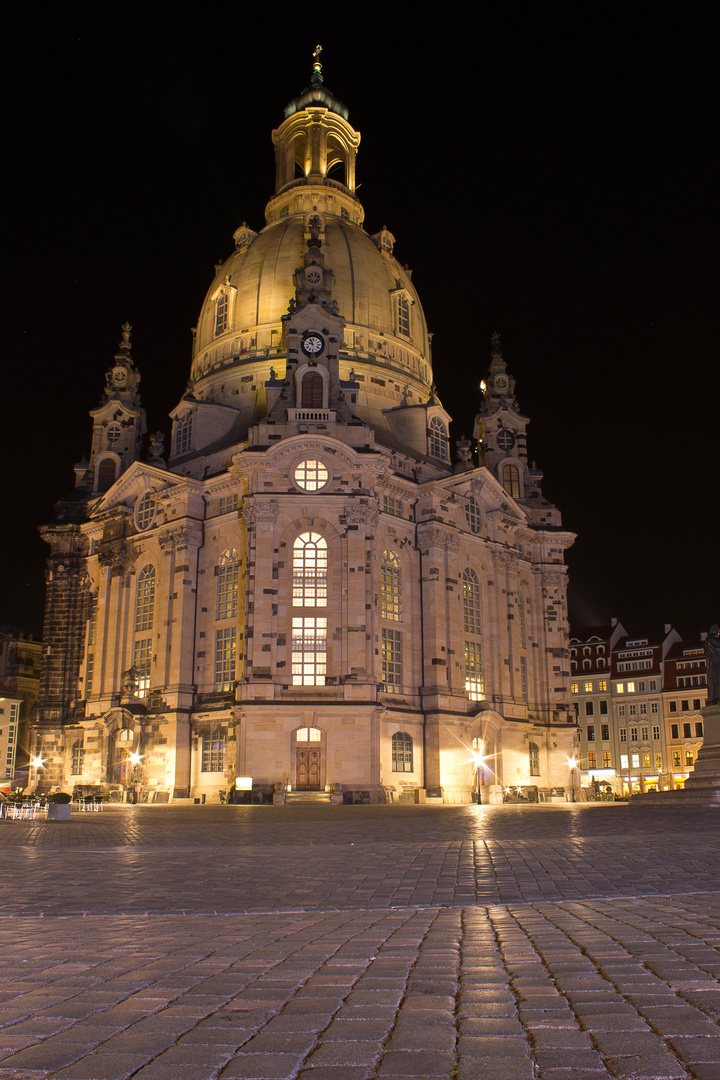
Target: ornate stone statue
[(464, 453), (130, 683), (712, 661)]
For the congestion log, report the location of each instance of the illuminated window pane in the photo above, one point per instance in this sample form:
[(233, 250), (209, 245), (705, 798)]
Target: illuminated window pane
[(227, 585), (145, 601), (311, 734), (311, 475), (689, 759), (402, 752), (471, 601), (592, 761), (534, 759), (78, 755), (391, 661), (309, 651), (142, 654), (225, 644), (390, 586), (228, 503), (183, 433), (213, 751), (392, 506), (474, 678), (606, 760), (221, 314), (310, 570)]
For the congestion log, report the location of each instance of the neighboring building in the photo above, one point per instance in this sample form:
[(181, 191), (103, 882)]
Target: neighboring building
[(20, 658), (684, 695), (308, 594), (9, 733), (591, 649)]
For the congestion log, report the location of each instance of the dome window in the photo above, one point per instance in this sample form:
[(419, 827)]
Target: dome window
[(403, 316), (145, 511), (437, 439), (221, 314), (511, 480), (183, 433), (311, 475)]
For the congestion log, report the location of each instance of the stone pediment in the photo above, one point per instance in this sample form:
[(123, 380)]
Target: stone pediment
[(137, 480), (489, 492)]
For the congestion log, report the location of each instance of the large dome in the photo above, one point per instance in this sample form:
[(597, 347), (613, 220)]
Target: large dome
[(239, 341)]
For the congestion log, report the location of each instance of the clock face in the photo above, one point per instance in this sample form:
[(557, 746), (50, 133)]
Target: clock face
[(119, 376), (501, 383), (313, 276), (313, 344)]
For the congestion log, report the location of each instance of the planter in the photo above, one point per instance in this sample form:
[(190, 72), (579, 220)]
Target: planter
[(59, 811)]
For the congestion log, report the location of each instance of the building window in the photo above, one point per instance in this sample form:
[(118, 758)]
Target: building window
[(699, 730), (623, 761), (621, 710), (312, 391), (142, 655), (676, 759), (390, 586), (473, 514), (689, 759), (606, 760), (589, 708), (687, 732), (310, 570), (392, 506), (145, 511), (696, 703), (653, 706), (228, 503), (225, 645), (523, 679), (633, 710), (311, 475), (113, 433), (106, 474), (402, 752), (658, 762), (653, 684), (602, 686), (403, 316), (213, 751), (643, 708), (656, 733), (145, 599), (574, 689), (646, 761), (534, 759), (308, 734), (604, 732), (474, 679), (471, 601), (673, 706), (227, 585), (591, 733), (644, 734), (623, 735), (588, 687), (391, 661), (221, 314), (309, 651), (603, 708), (78, 754), (587, 664), (511, 480), (674, 731), (635, 760), (183, 433), (631, 688), (592, 761), (520, 612), (633, 734), (437, 437)]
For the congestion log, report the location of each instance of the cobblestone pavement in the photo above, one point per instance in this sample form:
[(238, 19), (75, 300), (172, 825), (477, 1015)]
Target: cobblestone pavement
[(361, 943)]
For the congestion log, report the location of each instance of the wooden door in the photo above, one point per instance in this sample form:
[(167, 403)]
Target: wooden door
[(308, 770)]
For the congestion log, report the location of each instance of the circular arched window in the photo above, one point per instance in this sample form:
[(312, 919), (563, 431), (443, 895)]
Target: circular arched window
[(311, 475), (113, 433)]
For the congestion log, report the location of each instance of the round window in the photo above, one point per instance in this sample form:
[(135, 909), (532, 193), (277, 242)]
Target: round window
[(505, 439), (113, 433), (311, 475), (145, 510), (473, 514)]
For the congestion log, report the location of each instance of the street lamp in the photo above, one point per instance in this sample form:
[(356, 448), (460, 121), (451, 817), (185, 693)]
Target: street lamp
[(477, 756), (135, 760), (572, 764), (37, 763)]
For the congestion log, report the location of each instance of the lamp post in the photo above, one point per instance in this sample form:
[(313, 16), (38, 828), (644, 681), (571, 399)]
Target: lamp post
[(135, 760), (477, 756), (572, 766), (37, 763)]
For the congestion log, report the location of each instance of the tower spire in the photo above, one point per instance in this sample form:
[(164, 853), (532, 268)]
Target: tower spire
[(317, 66)]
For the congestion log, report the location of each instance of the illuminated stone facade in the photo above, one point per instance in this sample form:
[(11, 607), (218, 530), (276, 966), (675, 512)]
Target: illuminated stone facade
[(307, 593)]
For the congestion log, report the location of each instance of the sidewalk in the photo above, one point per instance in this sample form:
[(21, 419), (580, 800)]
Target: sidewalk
[(354, 943)]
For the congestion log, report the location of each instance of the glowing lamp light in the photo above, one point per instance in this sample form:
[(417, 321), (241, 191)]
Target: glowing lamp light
[(36, 762), (135, 758), (571, 762)]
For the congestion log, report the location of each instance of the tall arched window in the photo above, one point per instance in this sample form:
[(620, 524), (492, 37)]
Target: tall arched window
[(221, 314), (511, 480), (227, 585), (183, 433), (106, 474), (403, 316), (390, 584), (534, 756), (145, 600), (471, 601), (437, 439), (78, 754), (402, 752), (310, 570), (311, 396)]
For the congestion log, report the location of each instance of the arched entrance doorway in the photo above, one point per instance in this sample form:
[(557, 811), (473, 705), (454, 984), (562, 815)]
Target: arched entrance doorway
[(309, 759)]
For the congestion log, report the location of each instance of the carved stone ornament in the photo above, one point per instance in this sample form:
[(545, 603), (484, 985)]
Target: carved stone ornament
[(555, 579), (260, 514), (438, 540), (507, 560), (179, 539), (112, 558), (361, 514)]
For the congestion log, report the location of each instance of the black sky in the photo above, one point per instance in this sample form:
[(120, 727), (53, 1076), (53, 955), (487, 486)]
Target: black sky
[(547, 172)]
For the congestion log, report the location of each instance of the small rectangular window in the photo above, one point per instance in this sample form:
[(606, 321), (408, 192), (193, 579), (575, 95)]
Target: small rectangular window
[(592, 761), (603, 708), (604, 732), (623, 735), (674, 731), (623, 761), (698, 730), (656, 733), (591, 733), (673, 706), (589, 708), (676, 759)]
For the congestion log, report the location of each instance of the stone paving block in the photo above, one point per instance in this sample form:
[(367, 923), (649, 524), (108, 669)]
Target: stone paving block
[(43, 1056), (568, 1059), (706, 1072), (262, 1067), (693, 1049), (336, 1072), (493, 1046), (650, 1066), (562, 1038), (356, 1030), (102, 1067), (156, 1071), (496, 1068), (415, 1063), (492, 1025), (351, 1053)]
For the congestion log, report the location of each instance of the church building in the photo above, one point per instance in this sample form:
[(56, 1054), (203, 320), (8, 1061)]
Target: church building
[(305, 594)]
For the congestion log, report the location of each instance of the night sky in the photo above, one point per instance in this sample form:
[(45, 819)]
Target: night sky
[(548, 171)]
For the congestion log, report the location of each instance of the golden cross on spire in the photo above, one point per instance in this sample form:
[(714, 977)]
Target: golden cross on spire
[(317, 66)]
